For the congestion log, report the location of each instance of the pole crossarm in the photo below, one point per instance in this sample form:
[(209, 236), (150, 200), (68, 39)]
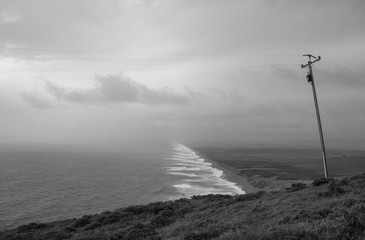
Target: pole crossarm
[(311, 81), (310, 60)]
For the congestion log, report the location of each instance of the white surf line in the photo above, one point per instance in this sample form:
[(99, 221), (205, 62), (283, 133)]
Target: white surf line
[(194, 160)]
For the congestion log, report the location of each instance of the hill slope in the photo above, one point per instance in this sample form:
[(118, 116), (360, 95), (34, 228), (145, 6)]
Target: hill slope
[(329, 210)]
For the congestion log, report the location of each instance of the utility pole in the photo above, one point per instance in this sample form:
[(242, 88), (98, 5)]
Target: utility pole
[(310, 79)]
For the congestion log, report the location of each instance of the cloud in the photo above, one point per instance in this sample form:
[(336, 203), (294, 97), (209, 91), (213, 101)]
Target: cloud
[(116, 89), (8, 18), (36, 101)]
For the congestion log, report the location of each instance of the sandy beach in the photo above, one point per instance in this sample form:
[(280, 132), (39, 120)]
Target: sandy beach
[(230, 174)]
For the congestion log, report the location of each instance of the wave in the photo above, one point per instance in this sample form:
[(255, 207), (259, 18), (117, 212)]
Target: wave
[(183, 169), (184, 186), (183, 174), (196, 175)]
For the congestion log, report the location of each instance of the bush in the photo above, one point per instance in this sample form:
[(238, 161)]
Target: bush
[(70, 229), (155, 208), (248, 197), (358, 177), (56, 235), (321, 181), (140, 232), (342, 225), (112, 218), (344, 182), (307, 216), (160, 221), (296, 187), (211, 197), (81, 222), (92, 226), (164, 218), (136, 209), (334, 189), (97, 236), (205, 235), (31, 227), (186, 210), (289, 234)]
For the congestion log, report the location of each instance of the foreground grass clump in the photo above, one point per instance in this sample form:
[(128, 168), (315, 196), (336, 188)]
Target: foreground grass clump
[(332, 209)]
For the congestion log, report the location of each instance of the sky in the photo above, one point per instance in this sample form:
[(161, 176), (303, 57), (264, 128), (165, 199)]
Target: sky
[(106, 72)]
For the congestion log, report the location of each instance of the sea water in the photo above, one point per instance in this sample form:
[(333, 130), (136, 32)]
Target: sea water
[(43, 183)]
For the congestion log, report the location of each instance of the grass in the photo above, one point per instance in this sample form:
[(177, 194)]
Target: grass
[(324, 210)]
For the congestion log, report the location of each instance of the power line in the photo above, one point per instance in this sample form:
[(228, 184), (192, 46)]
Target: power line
[(153, 53), (143, 69), (345, 68), (132, 59)]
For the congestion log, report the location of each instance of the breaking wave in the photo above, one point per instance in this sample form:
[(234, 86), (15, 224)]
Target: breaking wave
[(196, 176)]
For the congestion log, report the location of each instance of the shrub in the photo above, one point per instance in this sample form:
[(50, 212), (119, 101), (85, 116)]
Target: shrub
[(358, 177), (205, 235), (81, 222), (211, 197), (305, 216), (186, 210), (321, 181), (288, 234), (358, 209), (114, 217), (160, 221), (182, 200), (136, 209), (248, 197), (167, 213), (56, 235), (97, 236), (296, 187), (100, 218), (349, 202), (341, 225), (92, 226), (31, 227), (320, 213), (70, 229), (344, 181), (139, 232), (155, 208), (334, 189), (164, 218)]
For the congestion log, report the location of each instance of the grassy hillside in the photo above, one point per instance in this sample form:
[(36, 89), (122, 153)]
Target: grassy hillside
[(328, 210)]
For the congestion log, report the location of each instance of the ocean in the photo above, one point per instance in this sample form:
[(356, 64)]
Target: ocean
[(48, 183)]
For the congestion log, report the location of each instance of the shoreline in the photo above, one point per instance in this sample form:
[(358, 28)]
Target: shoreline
[(229, 174)]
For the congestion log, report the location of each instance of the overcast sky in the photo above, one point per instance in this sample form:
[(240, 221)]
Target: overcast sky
[(89, 71)]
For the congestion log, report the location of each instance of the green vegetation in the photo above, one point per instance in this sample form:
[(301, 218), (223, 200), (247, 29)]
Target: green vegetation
[(332, 209)]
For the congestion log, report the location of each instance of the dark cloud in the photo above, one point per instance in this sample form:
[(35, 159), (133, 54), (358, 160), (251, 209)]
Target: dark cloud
[(342, 76), (116, 89), (36, 101), (234, 100)]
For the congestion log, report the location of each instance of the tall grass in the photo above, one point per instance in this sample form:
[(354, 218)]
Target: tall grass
[(325, 210)]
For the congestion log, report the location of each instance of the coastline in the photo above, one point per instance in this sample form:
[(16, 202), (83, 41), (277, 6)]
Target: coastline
[(296, 213), (229, 174)]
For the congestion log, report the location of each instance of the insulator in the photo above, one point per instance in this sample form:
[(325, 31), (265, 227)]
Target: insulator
[(309, 78)]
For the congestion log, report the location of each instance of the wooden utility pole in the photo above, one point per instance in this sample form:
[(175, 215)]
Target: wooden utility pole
[(310, 79)]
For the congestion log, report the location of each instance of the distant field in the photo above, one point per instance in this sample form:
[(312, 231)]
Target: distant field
[(286, 164)]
